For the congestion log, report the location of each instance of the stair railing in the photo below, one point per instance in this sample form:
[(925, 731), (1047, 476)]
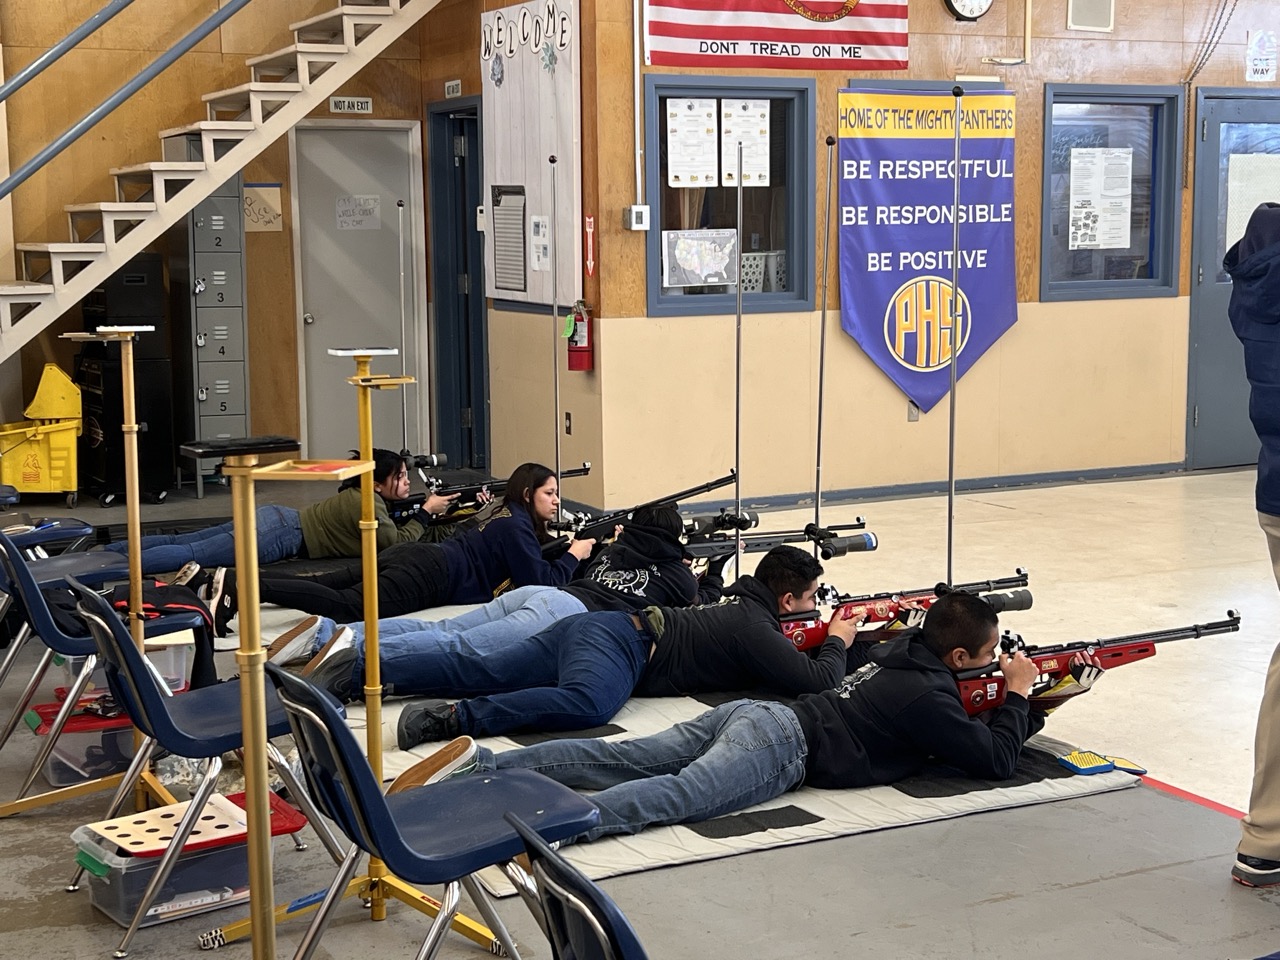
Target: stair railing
[(54, 53)]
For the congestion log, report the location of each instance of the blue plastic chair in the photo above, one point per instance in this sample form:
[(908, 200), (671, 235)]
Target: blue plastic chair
[(199, 724), (579, 919), (439, 833), (22, 580), (8, 495)]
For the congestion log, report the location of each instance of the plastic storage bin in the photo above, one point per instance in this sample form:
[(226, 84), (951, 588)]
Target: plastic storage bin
[(173, 660), (88, 747), (38, 455), (212, 872)]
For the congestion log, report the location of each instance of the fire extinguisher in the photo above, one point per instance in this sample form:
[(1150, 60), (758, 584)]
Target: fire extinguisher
[(581, 347)]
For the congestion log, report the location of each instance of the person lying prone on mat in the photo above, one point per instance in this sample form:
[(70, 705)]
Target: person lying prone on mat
[(900, 713), (643, 567), (503, 551), (579, 672), (330, 528)]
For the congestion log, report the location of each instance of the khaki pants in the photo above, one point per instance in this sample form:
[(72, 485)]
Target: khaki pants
[(1260, 833)]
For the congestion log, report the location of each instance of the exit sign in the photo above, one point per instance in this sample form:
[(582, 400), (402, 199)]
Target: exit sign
[(351, 104)]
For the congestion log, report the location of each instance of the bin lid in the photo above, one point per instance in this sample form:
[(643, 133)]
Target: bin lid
[(57, 397), (40, 719), (222, 823)]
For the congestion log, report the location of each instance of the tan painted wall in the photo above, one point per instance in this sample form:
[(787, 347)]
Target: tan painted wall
[(1069, 388)]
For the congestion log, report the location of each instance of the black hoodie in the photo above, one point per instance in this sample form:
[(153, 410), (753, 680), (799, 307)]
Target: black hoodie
[(737, 644), (641, 569), (899, 712), (1254, 266)]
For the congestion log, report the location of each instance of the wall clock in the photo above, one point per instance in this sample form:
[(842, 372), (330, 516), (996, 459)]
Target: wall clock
[(968, 9)]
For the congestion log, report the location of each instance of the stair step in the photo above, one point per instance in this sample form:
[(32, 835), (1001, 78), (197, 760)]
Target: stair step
[(289, 55), (209, 126), (152, 181), (337, 13), (15, 289), (242, 93), (75, 251), (139, 171), (89, 220)]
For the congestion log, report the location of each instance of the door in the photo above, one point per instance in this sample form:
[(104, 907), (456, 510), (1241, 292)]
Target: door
[(352, 236), (1237, 167), (460, 375)]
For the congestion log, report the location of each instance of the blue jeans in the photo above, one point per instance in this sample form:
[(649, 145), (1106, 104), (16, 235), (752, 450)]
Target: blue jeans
[(574, 675), (739, 754), (403, 641), (279, 538)]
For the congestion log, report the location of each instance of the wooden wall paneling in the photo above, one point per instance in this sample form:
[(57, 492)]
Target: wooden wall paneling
[(264, 27), (144, 25), (589, 52), (621, 254)]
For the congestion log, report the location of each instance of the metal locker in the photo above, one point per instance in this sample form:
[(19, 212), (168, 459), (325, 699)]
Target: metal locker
[(218, 279), (219, 334), (220, 389), (221, 428), (216, 225)]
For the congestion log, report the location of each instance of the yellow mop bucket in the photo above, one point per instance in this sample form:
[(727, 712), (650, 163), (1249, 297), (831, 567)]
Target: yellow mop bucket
[(38, 455)]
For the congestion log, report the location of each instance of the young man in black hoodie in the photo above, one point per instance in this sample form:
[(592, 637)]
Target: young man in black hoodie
[(891, 718), (580, 672), (643, 566)]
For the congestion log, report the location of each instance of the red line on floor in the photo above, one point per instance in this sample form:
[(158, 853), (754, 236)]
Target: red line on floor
[(1193, 797)]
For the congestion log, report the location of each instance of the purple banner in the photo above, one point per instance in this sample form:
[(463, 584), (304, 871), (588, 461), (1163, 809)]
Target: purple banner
[(897, 195)]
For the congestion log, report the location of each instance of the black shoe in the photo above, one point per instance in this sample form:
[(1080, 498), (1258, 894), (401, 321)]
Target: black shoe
[(334, 675), (222, 599), (423, 720), (1255, 871)]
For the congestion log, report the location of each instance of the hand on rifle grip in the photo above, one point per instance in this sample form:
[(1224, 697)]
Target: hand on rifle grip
[(1019, 671), (581, 548), (438, 505)]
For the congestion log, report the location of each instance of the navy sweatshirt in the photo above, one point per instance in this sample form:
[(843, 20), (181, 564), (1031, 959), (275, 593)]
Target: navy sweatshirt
[(1254, 266), (899, 713), (642, 568), (737, 644), (500, 554)]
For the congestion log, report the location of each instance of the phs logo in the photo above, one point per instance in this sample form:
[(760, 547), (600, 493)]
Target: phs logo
[(921, 322)]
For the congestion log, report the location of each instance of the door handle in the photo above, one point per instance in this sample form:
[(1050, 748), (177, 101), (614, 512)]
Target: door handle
[(308, 319)]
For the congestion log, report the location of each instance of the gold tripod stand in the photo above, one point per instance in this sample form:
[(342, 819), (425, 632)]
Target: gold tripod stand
[(378, 886), (149, 785)]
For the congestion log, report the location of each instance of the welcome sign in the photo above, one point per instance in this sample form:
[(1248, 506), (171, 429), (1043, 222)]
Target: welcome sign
[(897, 191)]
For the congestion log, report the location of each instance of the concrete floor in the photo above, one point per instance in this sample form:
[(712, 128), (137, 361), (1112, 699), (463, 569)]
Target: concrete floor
[(1132, 874)]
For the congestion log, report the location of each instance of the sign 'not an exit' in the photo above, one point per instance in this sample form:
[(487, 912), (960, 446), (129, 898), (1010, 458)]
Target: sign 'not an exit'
[(351, 104)]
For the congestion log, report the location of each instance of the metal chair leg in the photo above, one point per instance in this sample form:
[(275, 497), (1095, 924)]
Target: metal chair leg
[(64, 714), (440, 925), (321, 920), (28, 695), (170, 857), (123, 792), (298, 791), (19, 641), (490, 913)]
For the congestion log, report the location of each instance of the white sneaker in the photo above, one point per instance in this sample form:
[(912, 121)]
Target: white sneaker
[(343, 638), (190, 570), (295, 643)]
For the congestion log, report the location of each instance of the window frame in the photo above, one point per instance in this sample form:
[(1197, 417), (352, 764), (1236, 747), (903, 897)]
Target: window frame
[(1166, 205), (801, 189)]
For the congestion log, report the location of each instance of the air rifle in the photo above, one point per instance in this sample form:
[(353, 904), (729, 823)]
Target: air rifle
[(409, 507), (810, 630), (586, 527), (714, 536), (983, 688)]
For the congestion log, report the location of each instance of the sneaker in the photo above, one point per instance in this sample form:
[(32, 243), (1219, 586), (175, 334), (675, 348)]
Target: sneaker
[(183, 577), (424, 720), (343, 639), (334, 675), (295, 643), (222, 599), (457, 758), (1255, 871)]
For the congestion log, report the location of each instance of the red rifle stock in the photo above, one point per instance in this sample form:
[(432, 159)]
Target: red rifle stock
[(983, 688), (809, 630)]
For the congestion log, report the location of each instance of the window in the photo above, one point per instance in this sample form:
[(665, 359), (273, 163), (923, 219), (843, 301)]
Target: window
[(691, 171), (1111, 207)]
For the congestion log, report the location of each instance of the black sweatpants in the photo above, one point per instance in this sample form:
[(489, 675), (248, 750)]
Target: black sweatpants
[(411, 577)]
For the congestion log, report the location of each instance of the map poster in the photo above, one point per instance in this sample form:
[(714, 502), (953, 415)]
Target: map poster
[(699, 258)]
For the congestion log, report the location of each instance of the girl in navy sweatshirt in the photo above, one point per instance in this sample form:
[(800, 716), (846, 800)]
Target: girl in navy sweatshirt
[(504, 551)]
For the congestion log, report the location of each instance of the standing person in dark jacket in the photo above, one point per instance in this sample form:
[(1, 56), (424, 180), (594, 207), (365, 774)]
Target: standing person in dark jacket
[(644, 566), (888, 721), (581, 671), (475, 567), (1254, 266)]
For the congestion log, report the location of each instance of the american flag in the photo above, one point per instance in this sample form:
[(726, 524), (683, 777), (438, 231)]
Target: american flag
[(779, 34)]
